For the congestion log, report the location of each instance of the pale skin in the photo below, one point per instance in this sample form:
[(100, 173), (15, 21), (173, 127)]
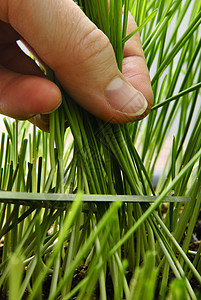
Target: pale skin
[(61, 36)]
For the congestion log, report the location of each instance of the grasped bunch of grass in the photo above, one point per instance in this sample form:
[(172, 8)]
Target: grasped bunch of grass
[(111, 241)]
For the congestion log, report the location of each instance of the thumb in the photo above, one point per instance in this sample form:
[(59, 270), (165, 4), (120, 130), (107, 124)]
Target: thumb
[(80, 55)]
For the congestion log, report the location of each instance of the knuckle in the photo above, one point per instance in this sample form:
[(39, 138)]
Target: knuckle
[(93, 44)]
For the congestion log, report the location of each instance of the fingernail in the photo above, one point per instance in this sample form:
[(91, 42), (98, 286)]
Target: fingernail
[(124, 98), (41, 121), (53, 109)]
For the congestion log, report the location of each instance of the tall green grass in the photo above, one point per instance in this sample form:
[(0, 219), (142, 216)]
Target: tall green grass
[(121, 250)]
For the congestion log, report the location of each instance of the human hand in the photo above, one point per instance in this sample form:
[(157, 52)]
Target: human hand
[(61, 36)]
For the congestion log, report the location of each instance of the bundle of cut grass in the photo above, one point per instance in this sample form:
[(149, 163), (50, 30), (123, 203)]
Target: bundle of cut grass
[(99, 250)]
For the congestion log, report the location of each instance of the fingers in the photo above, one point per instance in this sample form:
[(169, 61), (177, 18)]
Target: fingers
[(23, 96), (80, 54)]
